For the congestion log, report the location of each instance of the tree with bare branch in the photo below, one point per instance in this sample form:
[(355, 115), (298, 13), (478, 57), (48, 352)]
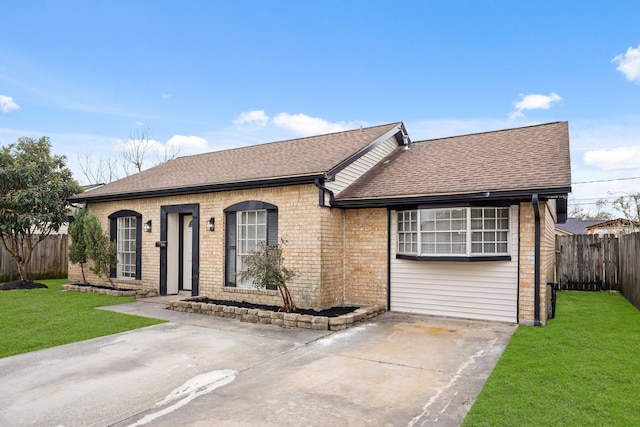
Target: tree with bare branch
[(135, 154), (100, 171), (136, 149)]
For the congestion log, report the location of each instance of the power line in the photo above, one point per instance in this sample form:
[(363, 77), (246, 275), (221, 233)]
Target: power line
[(606, 180), (605, 198)]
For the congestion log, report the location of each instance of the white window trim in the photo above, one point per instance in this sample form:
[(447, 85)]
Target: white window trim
[(120, 243), (247, 283), (469, 231)]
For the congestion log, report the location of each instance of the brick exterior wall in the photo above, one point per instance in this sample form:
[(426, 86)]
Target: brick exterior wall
[(332, 257), (526, 307), (548, 257), (366, 256), (315, 248)]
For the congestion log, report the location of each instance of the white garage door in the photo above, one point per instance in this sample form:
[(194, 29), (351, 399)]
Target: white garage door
[(474, 290)]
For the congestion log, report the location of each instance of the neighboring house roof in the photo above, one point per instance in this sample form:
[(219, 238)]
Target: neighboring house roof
[(292, 161), (527, 160), (614, 223), (577, 226)]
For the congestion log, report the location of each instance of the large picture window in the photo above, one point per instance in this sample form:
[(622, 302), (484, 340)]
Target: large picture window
[(126, 231), (457, 232), (247, 224)]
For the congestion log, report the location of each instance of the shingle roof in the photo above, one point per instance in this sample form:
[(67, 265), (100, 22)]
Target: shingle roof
[(277, 160), (527, 158)]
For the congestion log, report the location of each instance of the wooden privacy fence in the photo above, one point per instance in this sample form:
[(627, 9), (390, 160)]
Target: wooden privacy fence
[(630, 267), (587, 262), (49, 260)]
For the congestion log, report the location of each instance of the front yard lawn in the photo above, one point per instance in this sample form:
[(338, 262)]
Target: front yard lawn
[(41, 318), (581, 369)]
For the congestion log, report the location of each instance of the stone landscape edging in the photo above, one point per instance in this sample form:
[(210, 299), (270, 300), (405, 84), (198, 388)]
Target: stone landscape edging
[(105, 291), (278, 318)]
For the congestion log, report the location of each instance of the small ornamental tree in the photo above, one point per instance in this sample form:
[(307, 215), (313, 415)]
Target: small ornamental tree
[(265, 266), (99, 248), (78, 247), (34, 188)]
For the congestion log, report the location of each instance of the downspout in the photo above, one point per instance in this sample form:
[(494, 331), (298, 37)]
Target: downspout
[(388, 259), (323, 189), (536, 262)]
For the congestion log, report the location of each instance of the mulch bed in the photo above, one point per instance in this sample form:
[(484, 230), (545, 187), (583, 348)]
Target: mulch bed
[(330, 312), (21, 284)]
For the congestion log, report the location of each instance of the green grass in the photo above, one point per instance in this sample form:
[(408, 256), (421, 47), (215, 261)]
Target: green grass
[(41, 318), (582, 369)]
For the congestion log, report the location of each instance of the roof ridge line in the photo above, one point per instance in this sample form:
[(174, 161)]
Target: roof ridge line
[(290, 140), (490, 131)]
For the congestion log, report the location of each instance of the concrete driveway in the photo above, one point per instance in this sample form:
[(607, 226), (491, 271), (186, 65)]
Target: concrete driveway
[(396, 370)]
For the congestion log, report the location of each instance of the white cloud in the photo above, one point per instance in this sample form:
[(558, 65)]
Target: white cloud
[(533, 102), (307, 125), (253, 118), (616, 158), (165, 95), (7, 104), (297, 124), (629, 64), (187, 144)]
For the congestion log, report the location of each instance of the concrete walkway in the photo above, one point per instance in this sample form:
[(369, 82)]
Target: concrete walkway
[(396, 370)]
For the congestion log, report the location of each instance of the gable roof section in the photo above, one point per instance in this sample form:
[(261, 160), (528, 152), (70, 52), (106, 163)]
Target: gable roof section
[(277, 163), (511, 163)]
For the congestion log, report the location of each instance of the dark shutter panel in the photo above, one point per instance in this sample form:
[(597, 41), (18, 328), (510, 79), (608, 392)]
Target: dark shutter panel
[(230, 249), (138, 247), (272, 226), (272, 234), (113, 235)]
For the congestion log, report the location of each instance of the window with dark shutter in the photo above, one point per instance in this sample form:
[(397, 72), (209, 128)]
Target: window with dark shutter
[(247, 224), (125, 228)]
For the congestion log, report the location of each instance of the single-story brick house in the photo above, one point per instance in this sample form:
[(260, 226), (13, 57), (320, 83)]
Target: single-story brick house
[(460, 226)]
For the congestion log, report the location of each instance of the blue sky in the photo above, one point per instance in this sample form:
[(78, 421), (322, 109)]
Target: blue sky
[(209, 75)]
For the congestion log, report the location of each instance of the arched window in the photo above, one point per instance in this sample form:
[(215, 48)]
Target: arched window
[(125, 228), (247, 224)]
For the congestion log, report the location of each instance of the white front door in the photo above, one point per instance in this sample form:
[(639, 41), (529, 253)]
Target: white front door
[(187, 252), (173, 252)]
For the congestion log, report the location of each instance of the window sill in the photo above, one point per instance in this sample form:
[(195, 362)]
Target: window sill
[(126, 280), (455, 258), (252, 291)]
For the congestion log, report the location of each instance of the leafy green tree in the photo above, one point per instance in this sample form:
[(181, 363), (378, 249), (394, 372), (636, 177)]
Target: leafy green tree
[(265, 266), (99, 248), (628, 205), (34, 188), (78, 247)]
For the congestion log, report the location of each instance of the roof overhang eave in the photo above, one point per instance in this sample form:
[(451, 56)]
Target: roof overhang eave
[(440, 199), (196, 189)]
